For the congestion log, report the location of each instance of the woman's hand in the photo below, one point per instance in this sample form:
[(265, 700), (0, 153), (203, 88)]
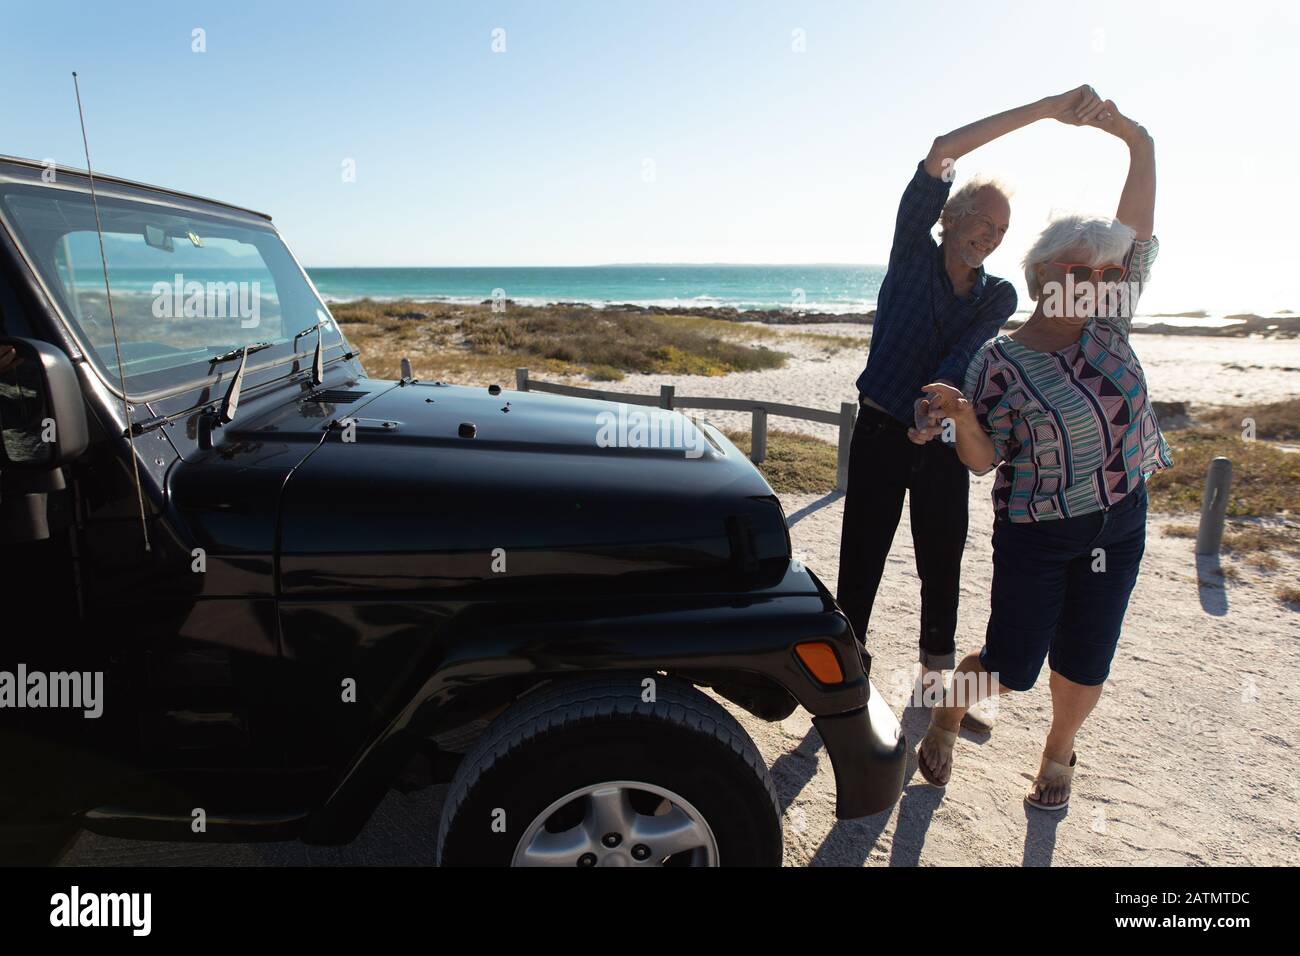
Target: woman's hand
[(941, 402), (1075, 107), (945, 401), (974, 447), (1112, 121)]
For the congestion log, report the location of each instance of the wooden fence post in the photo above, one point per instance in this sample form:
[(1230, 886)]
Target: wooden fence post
[(758, 436), (1214, 505), (848, 415), (521, 379), (666, 396)]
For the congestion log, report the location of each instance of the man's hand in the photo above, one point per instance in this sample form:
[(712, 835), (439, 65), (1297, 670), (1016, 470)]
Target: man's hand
[(1076, 107), (8, 358), (927, 426)]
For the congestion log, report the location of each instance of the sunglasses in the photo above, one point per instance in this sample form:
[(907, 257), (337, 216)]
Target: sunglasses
[(1083, 272)]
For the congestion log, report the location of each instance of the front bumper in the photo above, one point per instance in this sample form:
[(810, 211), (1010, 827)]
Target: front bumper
[(868, 754), (866, 744)]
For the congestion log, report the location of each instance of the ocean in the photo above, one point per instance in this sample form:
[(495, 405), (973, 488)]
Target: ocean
[(834, 289), (827, 288)]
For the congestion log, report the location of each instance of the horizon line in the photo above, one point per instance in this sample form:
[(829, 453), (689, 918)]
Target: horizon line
[(623, 265)]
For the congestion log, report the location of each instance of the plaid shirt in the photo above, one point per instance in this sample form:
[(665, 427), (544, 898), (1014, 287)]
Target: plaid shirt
[(922, 330)]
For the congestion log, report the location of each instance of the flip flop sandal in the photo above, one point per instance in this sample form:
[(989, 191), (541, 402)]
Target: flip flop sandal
[(1052, 772), (946, 739)]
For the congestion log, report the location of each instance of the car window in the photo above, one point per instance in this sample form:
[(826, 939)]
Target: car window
[(185, 287)]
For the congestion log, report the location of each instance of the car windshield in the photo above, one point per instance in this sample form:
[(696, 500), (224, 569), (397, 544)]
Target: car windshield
[(186, 287)]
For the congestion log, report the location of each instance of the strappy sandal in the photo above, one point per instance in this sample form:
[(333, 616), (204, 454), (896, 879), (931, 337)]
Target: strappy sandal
[(946, 739), (1051, 772)]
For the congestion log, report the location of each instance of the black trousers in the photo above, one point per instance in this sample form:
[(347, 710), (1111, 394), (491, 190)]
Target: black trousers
[(883, 464)]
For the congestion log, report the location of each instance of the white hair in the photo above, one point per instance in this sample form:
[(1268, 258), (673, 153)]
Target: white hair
[(962, 202), (1097, 240)]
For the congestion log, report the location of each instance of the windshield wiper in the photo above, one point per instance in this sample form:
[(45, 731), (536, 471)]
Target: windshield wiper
[(318, 360), (230, 404), (241, 351)]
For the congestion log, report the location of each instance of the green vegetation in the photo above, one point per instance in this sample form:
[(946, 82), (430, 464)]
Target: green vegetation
[(1265, 479), (460, 342), (795, 463), (1265, 484)]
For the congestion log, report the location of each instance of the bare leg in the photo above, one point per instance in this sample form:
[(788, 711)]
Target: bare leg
[(970, 684), (1071, 705)]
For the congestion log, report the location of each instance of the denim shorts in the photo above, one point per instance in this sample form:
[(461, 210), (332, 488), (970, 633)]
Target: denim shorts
[(1060, 590)]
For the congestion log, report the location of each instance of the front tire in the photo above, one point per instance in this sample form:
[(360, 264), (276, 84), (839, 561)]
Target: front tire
[(587, 773)]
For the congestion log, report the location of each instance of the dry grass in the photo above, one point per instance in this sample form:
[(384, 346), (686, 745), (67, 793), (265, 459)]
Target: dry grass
[(1274, 421), (1265, 480), (795, 463), (1265, 484), (471, 342)]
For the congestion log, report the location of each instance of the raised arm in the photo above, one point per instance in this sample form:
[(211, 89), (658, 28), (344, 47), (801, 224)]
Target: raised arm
[(1072, 108), (1137, 203)]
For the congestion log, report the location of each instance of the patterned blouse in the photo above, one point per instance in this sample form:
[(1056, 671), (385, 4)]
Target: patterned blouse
[(1073, 429)]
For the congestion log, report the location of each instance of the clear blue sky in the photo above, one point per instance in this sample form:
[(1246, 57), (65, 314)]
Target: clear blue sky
[(538, 155)]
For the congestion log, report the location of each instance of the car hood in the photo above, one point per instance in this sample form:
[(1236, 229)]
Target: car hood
[(442, 486)]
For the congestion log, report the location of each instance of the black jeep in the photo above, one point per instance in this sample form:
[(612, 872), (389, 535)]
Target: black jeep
[(246, 588)]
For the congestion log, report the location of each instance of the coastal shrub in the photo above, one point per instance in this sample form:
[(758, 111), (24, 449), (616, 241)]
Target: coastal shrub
[(1274, 421), (1265, 479), (624, 341), (796, 463)]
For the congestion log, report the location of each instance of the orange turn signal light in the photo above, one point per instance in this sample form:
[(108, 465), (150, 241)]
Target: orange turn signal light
[(819, 657)]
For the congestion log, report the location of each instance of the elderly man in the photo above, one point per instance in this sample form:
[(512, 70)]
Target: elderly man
[(936, 306)]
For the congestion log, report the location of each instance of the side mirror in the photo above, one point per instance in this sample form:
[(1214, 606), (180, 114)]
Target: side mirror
[(42, 413)]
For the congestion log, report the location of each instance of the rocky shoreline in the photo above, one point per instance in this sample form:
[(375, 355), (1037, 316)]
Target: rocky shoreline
[(765, 316), (1245, 325)]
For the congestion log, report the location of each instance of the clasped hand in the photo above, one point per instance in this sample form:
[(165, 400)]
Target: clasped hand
[(941, 403)]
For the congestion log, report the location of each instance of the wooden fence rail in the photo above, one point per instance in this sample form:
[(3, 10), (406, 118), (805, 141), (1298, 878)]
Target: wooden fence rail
[(758, 409)]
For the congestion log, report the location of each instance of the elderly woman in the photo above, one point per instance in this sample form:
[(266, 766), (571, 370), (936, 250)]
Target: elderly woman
[(1060, 407)]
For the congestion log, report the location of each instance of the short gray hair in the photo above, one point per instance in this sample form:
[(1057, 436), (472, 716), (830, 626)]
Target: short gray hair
[(1099, 239), (962, 202)]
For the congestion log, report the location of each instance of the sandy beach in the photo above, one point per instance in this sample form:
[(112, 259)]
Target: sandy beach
[(1189, 759)]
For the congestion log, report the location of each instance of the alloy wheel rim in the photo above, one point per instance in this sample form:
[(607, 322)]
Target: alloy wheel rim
[(618, 823)]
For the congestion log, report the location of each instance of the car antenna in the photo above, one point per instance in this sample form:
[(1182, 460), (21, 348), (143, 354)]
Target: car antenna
[(112, 320)]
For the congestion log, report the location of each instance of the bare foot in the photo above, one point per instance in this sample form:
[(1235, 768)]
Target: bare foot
[(934, 756), (1051, 789)]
